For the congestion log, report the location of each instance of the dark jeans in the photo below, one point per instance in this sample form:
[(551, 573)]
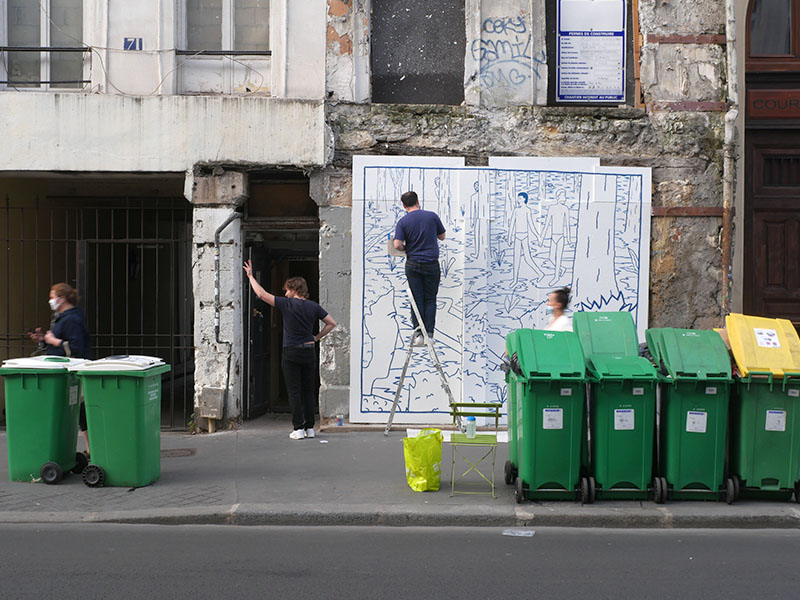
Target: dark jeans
[(299, 371), (423, 279)]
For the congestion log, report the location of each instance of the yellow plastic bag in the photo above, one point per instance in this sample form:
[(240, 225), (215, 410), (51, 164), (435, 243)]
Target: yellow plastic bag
[(423, 456)]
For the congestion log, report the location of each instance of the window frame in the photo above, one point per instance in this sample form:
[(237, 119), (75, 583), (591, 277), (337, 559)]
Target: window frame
[(227, 59), (774, 62), (44, 56), (228, 34)]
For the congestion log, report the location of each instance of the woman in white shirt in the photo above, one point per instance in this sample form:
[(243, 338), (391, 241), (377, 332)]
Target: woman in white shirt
[(557, 302)]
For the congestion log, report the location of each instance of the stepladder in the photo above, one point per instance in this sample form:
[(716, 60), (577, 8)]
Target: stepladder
[(420, 340)]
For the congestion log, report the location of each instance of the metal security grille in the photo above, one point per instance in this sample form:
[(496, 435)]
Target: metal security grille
[(129, 258)]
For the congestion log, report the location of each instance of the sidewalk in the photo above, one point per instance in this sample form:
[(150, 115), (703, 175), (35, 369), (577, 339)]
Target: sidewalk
[(258, 476)]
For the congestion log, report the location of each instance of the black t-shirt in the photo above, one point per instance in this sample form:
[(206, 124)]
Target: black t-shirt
[(299, 318)]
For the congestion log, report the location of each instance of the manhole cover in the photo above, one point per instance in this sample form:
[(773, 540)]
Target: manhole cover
[(178, 452)]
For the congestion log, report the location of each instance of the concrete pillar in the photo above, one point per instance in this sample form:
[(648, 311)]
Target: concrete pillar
[(218, 357), (330, 189)]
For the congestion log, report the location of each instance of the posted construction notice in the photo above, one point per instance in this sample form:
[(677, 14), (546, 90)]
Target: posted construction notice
[(591, 51)]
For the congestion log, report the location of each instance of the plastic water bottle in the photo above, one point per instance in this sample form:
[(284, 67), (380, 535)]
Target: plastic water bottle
[(470, 427)]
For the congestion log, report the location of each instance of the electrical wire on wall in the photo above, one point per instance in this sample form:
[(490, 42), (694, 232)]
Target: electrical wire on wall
[(95, 50)]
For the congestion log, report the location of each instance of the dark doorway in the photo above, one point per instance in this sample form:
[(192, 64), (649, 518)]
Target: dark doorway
[(282, 240), (772, 224)]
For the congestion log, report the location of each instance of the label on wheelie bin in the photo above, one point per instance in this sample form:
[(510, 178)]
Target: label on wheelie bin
[(696, 421), (776, 420), (553, 418), (624, 419)]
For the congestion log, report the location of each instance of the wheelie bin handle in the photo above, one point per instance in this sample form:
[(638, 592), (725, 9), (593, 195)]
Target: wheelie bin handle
[(788, 376), (758, 374)]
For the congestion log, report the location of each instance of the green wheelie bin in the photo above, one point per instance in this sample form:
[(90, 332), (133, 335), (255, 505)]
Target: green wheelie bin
[(695, 394), (622, 406), (548, 374), (765, 408), (42, 408), (123, 414)]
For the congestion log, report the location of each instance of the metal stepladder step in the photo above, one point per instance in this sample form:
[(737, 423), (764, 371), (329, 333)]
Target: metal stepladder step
[(431, 353)]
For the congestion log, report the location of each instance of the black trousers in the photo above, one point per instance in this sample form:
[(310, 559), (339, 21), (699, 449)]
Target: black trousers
[(423, 279), (299, 370)]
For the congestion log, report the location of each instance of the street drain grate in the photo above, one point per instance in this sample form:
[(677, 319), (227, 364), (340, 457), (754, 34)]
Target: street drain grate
[(178, 452)]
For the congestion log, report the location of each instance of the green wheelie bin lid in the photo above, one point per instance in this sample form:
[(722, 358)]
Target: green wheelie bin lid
[(130, 365), (44, 364), (690, 354), (604, 367), (539, 354), (609, 333)]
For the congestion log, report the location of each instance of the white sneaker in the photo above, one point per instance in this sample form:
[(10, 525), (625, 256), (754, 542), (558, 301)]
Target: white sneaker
[(310, 433), (418, 339), (297, 434)]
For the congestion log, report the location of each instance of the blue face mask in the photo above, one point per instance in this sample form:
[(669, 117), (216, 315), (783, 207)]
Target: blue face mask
[(548, 310)]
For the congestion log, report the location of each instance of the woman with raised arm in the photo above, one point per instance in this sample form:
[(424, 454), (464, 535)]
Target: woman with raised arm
[(299, 358)]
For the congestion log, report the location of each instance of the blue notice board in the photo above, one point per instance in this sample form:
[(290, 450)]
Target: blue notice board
[(591, 50)]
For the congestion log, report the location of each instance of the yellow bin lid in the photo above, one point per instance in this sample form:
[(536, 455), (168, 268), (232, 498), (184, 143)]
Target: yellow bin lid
[(762, 345)]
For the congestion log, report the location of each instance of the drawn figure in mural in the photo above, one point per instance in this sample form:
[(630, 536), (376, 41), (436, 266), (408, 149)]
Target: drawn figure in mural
[(557, 302), (557, 221), (68, 336), (418, 233), (477, 220), (522, 230), (299, 358)]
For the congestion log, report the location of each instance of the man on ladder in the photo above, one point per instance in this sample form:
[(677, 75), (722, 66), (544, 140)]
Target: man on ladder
[(418, 234)]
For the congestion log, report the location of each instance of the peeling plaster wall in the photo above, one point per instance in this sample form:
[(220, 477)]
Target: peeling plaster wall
[(211, 358), (348, 51)]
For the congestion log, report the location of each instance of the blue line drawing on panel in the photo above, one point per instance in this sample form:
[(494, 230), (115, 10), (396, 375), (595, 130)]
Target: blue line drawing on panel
[(513, 235)]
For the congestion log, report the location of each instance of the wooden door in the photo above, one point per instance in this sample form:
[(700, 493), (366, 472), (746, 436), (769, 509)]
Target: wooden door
[(772, 223)]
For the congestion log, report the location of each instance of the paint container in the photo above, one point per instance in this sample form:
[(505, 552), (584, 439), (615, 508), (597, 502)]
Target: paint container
[(339, 420)]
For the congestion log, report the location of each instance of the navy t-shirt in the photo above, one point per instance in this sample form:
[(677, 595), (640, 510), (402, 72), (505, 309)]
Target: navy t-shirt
[(71, 327), (418, 230), (299, 318)]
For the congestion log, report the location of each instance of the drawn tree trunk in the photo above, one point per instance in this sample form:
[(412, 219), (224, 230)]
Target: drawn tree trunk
[(595, 283)]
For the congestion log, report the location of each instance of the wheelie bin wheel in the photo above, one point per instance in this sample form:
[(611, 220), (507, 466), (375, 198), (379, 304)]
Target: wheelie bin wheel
[(797, 492), (585, 497), (93, 476), (737, 487), (664, 490), (81, 463), (658, 491), (730, 491), (592, 490), (508, 471), (518, 492), (51, 473)]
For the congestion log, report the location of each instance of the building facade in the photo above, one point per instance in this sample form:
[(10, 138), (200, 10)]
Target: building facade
[(192, 113)]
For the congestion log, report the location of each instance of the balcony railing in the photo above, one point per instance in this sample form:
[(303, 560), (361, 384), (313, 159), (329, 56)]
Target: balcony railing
[(40, 49)]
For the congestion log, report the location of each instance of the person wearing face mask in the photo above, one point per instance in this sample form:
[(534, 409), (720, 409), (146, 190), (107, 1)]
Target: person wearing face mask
[(557, 302), (68, 334)]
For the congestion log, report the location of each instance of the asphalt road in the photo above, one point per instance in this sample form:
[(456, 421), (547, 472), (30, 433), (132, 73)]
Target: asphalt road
[(147, 561)]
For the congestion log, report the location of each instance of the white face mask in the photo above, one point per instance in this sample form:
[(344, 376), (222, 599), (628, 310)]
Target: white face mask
[(54, 304)]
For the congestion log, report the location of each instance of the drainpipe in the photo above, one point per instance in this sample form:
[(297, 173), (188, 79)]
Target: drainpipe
[(218, 308), (729, 164)]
